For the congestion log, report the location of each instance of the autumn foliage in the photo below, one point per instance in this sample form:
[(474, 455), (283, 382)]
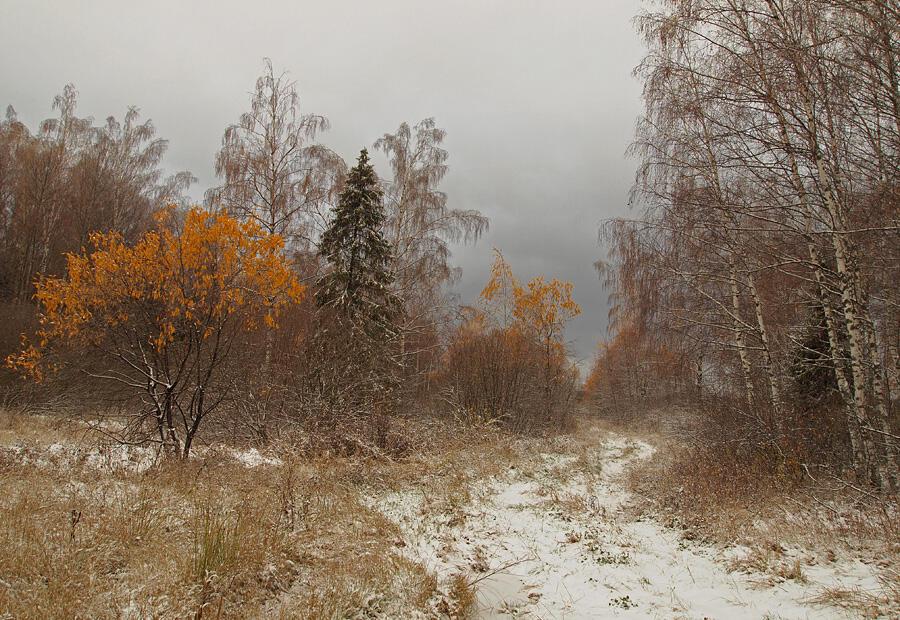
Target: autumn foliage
[(508, 362), (631, 372), (165, 314)]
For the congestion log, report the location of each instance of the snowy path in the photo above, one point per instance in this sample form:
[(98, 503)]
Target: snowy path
[(555, 544)]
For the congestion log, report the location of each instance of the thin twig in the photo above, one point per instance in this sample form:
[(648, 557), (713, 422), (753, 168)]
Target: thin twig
[(490, 574)]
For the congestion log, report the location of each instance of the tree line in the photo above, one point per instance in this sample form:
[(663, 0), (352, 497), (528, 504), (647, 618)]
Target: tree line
[(304, 291), (760, 274)]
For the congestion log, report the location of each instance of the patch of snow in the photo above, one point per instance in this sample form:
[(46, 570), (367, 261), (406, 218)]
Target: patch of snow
[(114, 457), (527, 556), (111, 457), (121, 457), (252, 457)]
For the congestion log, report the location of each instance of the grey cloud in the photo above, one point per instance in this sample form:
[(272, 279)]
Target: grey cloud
[(536, 97)]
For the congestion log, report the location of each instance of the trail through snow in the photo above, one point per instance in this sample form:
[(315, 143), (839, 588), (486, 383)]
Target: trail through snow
[(553, 545)]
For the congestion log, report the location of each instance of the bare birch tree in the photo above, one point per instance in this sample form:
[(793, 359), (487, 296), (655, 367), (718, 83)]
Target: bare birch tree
[(769, 159), (273, 170), (421, 229)]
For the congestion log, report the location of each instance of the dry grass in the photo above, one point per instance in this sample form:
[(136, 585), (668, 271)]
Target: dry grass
[(168, 542), (731, 502), (88, 535), (769, 560), (862, 604), (213, 538), (784, 523), (462, 597)]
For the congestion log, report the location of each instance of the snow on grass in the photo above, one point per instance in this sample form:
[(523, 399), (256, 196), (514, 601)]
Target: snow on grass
[(116, 457), (555, 543), (252, 457), (66, 455)]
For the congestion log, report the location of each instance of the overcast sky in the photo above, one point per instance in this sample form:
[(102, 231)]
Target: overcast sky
[(536, 96)]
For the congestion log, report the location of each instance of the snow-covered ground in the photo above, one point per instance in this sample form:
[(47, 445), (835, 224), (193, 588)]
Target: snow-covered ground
[(555, 543), (118, 457)]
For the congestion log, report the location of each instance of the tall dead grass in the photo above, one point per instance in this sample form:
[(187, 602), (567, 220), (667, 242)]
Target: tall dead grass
[(214, 538)]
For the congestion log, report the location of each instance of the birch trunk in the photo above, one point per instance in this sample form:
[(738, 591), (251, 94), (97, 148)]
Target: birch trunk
[(855, 328), (855, 397), (834, 343), (768, 366), (740, 339)]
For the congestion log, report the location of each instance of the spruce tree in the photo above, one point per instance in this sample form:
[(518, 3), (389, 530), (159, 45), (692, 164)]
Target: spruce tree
[(358, 285)]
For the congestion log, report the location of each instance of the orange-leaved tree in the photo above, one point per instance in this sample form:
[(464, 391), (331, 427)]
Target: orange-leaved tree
[(508, 360), (540, 311), (164, 315), (541, 308)]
